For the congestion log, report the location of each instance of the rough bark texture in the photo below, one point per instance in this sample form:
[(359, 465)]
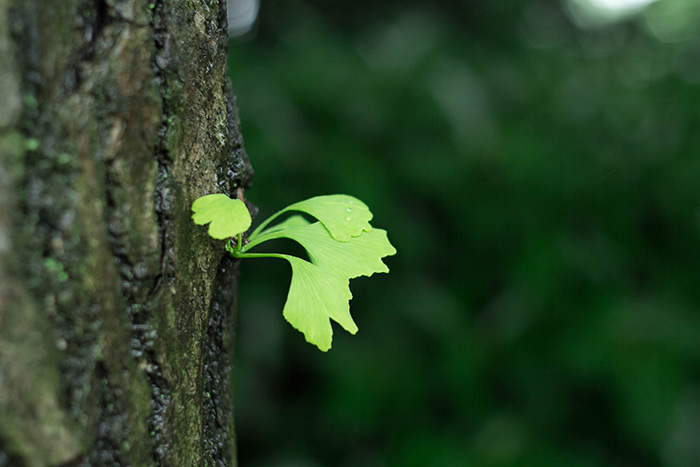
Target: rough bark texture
[(116, 312)]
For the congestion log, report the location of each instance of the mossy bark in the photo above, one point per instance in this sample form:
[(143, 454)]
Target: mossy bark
[(116, 312)]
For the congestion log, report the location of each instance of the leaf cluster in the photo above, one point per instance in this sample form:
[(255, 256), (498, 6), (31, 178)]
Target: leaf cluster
[(341, 245)]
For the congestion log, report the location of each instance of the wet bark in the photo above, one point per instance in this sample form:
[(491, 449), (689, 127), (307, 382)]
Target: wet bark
[(116, 312)]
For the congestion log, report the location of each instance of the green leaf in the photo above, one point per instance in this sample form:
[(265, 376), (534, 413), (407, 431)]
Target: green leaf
[(359, 256), (320, 290), (344, 216), (315, 297), (228, 217)]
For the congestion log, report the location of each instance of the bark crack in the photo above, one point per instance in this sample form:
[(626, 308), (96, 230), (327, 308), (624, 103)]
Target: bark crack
[(161, 392)]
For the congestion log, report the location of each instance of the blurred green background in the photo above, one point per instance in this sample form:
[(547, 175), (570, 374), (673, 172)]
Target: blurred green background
[(537, 165)]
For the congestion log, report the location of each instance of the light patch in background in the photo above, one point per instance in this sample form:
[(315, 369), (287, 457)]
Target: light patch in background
[(241, 16), (620, 5), (593, 13), (673, 20)]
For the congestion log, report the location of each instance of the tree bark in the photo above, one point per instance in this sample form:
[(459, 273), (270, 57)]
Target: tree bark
[(116, 312)]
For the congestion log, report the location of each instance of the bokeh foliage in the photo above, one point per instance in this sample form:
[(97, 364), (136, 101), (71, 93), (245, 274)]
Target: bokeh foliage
[(540, 183)]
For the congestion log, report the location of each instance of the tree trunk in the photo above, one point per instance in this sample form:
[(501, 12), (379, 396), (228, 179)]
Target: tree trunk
[(116, 312)]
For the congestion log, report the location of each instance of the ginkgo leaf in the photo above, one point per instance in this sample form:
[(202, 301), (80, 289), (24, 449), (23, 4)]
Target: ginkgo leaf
[(319, 290), (344, 216), (359, 256), (228, 217), (315, 297)]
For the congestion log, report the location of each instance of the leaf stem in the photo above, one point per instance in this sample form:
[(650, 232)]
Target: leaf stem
[(261, 239), (260, 255), (265, 223)]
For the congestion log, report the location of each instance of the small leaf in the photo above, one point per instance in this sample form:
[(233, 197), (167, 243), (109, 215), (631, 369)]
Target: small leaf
[(316, 296), (228, 217), (344, 216)]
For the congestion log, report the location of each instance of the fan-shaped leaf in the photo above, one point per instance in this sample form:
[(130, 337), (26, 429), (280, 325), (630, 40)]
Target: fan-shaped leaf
[(344, 216), (359, 256), (228, 217), (316, 296)]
